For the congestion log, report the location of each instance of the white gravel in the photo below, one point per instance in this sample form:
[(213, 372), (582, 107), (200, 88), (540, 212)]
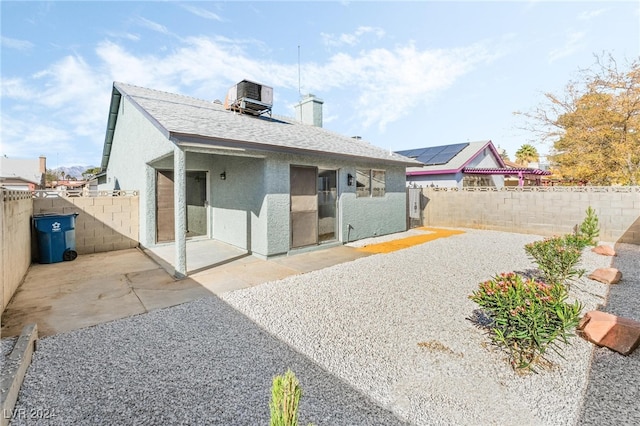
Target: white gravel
[(350, 332), (363, 322)]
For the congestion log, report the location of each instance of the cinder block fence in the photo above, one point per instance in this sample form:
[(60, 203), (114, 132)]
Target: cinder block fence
[(543, 211), (103, 223)]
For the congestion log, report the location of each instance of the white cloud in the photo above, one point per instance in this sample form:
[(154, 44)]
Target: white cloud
[(127, 36), (15, 88), (386, 84), (35, 136), (573, 43), (13, 43), (203, 13), (151, 25), (590, 14), (350, 39)]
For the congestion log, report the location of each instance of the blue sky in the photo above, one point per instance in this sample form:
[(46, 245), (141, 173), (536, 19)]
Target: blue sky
[(400, 74)]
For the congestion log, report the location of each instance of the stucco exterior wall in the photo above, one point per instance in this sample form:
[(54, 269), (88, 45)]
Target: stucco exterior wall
[(235, 200), (364, 217), (545, 212), (16, 210), (136, 142)]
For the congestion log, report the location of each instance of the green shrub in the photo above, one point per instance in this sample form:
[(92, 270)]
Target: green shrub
[(285, 396), (557, 258), (589, 229), (528, 316)]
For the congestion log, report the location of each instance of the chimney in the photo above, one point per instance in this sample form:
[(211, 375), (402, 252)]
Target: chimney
[(309, 111), (43, 172)]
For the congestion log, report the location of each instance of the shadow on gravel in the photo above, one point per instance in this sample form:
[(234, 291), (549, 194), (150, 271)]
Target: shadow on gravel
[(613, 386), (201, 362)]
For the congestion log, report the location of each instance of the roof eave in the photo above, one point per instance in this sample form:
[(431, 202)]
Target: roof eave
[(117, 94), (221, 143)]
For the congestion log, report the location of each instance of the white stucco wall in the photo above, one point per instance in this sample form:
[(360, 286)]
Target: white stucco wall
[(136, 142)]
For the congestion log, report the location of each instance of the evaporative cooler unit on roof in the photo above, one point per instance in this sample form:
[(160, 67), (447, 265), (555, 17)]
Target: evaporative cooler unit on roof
[(250, 98)]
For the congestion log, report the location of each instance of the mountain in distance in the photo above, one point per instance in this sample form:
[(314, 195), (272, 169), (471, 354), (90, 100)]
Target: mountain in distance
[(73, 171)]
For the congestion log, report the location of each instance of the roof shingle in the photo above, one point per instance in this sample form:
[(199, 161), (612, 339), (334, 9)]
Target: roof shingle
[(182, 115)]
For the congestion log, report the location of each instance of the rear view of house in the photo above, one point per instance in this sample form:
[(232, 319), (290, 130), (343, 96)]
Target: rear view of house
[(234, 173)]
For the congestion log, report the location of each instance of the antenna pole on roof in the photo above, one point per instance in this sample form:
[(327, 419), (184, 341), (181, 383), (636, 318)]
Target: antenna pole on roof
[(299, 90)]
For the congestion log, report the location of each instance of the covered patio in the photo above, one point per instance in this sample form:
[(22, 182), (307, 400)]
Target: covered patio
[(522, 173)]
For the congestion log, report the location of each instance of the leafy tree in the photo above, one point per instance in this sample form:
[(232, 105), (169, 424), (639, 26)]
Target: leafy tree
[(526, 154), (594, 126), (503, 153), (91, 172), (51, 175)]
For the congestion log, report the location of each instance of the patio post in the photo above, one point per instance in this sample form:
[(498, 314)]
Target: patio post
[(180, 202)]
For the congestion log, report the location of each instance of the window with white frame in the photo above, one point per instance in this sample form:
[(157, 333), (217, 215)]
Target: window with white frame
[(370, 183)]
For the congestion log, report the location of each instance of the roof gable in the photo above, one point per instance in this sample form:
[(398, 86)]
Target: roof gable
[(183, 118), (452, 158)]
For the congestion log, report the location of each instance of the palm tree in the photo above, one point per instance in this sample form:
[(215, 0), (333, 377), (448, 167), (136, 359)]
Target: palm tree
[(527, 154)]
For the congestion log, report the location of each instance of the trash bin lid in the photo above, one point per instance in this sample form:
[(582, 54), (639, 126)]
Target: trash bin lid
[(52, 215)]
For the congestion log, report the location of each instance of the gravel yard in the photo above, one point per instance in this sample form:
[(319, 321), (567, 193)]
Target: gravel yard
[(381, 340)]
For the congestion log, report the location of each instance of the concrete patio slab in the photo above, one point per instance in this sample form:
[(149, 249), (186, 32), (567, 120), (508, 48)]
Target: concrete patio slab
[(102, 287)]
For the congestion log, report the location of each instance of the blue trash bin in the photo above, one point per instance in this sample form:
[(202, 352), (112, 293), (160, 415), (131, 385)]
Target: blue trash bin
[(56, 236)]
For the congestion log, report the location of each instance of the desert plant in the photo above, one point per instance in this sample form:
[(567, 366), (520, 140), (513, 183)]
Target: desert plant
[(528, 316), (589, 229), (285, 396), (557, 258)]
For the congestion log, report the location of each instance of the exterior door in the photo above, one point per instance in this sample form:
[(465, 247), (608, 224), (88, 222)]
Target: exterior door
[(165, 208), (196, 205), (304, 206)]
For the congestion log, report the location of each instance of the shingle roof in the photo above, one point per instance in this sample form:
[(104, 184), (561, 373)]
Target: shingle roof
[(183, 117)]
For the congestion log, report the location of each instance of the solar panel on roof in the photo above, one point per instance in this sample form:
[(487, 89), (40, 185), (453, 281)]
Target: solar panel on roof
[(455, 148), (435, 155), (440, 159)]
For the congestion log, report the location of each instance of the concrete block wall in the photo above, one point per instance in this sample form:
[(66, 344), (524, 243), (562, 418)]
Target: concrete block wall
[(103, 223), (16, 209), (545, 212)]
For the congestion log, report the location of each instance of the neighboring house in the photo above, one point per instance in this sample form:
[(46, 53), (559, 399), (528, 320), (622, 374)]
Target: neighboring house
[(67, 185), (231, 173), (27, 174), (461, 165)]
